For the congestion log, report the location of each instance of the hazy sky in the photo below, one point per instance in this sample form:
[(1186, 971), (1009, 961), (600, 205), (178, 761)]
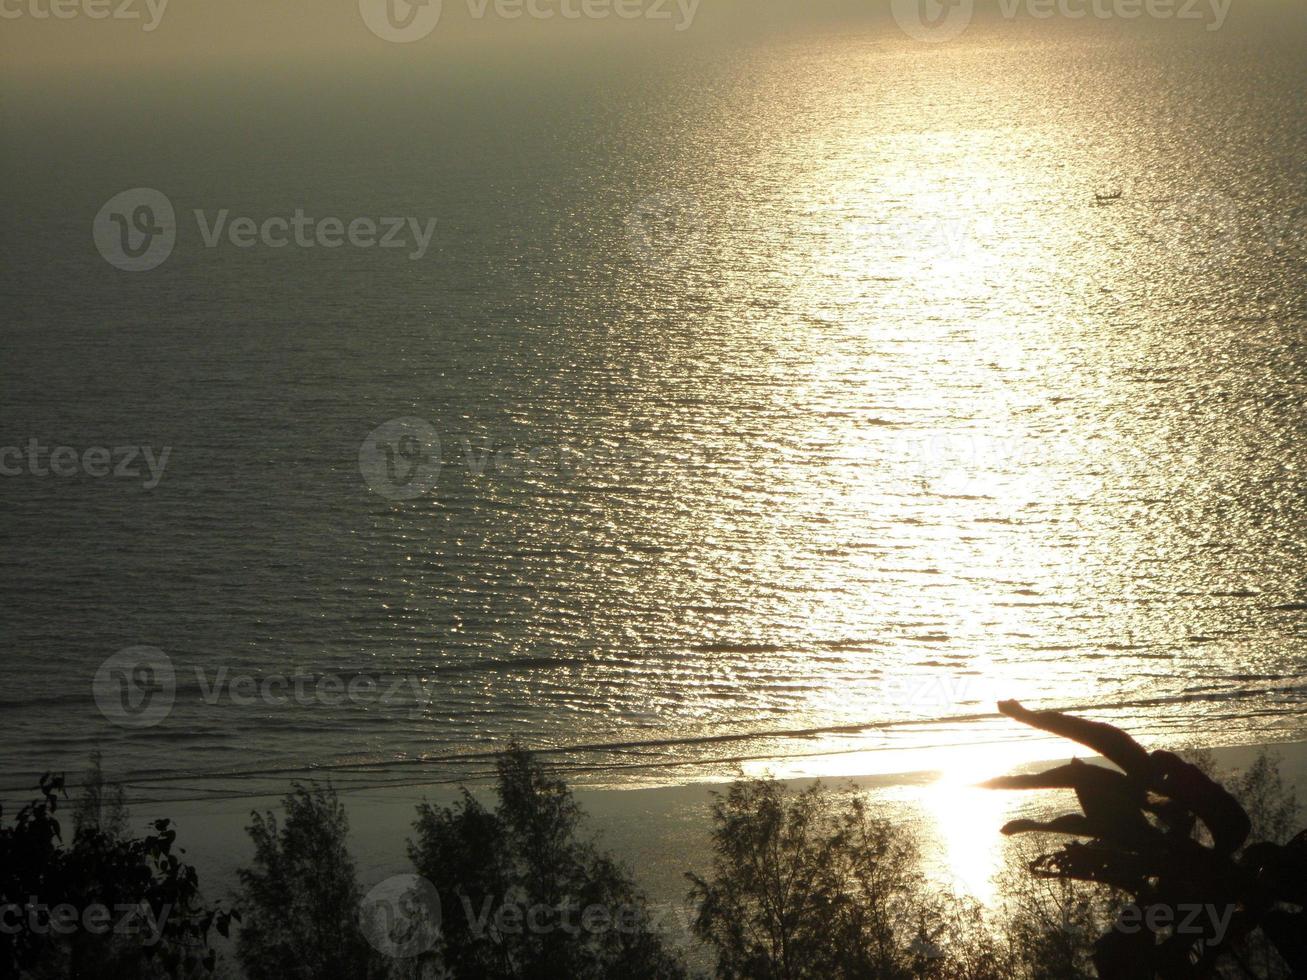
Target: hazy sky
[(201, 32), (198, 34)]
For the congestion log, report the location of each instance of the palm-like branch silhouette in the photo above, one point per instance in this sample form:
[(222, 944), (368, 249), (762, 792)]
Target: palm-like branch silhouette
[(1142, 828)]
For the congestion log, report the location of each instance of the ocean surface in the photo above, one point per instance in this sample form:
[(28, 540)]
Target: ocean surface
[(794, 399)]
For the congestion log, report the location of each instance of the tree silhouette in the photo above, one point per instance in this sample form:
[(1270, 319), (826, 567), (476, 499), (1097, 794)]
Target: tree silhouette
[(106, 907), (528, 855), (1167, 834), (300, 898)]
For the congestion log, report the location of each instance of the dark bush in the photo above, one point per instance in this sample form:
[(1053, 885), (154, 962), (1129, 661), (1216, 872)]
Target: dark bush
[(300, 899), (527, 858), (1165, 833), (135, 907), (812, 886)]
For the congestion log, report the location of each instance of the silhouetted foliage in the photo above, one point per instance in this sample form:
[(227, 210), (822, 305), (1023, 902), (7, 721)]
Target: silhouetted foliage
[(525, 896), (100, 804), (811, 885), (300, 899), (103, 908), (1273, 811), (1165, 833), (1050, 924)]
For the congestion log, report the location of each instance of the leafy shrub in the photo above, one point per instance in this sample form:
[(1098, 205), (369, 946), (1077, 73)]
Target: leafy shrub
[(105, 908), (300, 899), (1050, 924), (811, 886), (525, 897), (100, 804)]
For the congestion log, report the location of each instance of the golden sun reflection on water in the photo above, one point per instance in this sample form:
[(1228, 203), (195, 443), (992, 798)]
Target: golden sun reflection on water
[(956, 822), (965, 820)]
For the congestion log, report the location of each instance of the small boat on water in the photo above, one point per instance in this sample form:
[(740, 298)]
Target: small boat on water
[(1104, 198)]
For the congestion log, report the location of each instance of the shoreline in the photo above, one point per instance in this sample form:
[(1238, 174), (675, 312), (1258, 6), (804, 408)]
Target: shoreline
[(636, 759), (662, 832)]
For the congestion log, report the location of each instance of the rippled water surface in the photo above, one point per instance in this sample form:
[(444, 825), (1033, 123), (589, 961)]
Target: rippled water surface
[(794, 399)]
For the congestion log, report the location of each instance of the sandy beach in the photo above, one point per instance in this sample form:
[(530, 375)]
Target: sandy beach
[(662, 832)]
